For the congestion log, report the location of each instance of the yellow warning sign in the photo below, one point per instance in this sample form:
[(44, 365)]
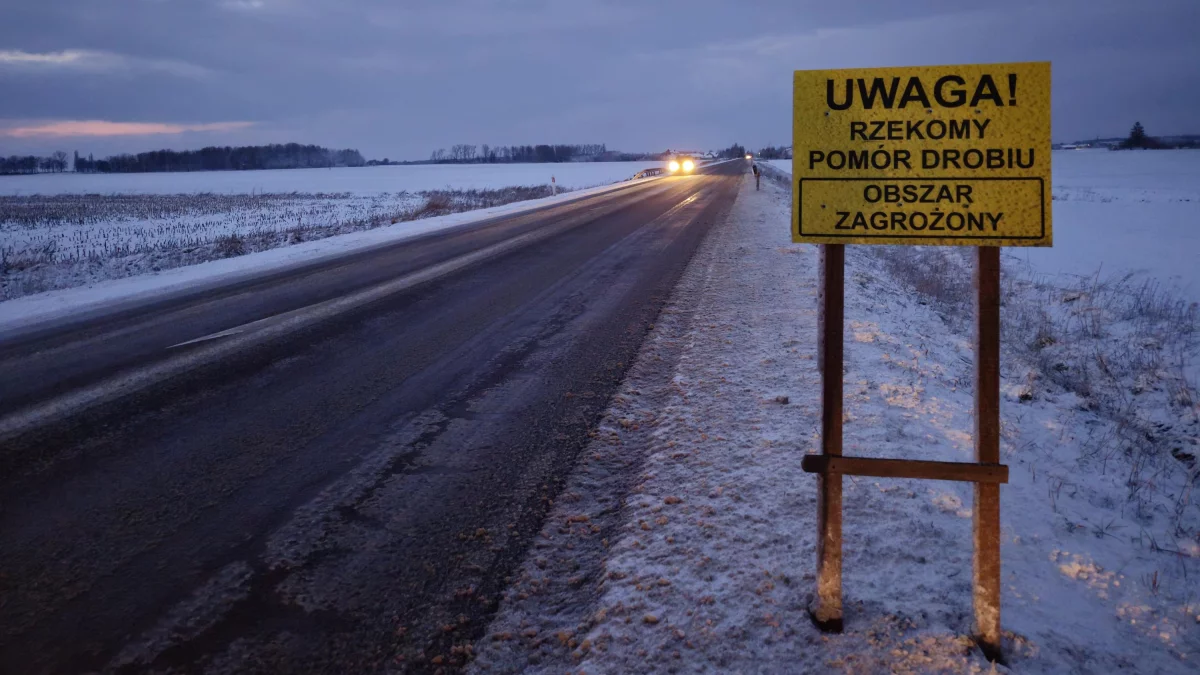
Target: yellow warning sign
[(933, 155)]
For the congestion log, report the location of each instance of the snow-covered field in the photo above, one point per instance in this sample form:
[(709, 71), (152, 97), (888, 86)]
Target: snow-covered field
[(1125, 211), (784, 165), (685, 542), (361, 181), (64, 230), (1120, 212)]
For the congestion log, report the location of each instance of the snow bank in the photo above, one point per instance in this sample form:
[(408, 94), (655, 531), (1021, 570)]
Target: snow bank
[(706, 564)]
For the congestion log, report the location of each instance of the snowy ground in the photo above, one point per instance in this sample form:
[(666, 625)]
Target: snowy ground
[(1120, 212), (66, 230), (131, 287), (1125, 211), (685, 542), (784, 165), (360, 181)]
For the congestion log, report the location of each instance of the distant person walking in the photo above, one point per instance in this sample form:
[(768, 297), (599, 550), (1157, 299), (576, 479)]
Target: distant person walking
[(754, 168)]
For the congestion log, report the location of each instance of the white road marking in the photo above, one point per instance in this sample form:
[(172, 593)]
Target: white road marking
[(213, 336)]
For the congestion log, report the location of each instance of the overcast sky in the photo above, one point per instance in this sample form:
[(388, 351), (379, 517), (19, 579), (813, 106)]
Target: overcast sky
[(400, 78)]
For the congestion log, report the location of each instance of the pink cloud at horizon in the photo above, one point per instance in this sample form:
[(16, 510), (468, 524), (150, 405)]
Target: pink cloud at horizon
[(106, 128)]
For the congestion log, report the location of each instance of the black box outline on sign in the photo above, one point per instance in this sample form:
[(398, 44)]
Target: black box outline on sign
[(800, 205)]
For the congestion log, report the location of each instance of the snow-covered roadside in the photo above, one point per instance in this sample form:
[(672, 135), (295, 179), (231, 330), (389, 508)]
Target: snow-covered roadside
[(51, 305), (708, 564)]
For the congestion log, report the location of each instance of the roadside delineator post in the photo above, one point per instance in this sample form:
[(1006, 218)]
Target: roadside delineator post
[(935, 155)]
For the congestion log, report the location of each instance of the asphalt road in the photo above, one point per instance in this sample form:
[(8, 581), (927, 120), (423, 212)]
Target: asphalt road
[(331, 469)]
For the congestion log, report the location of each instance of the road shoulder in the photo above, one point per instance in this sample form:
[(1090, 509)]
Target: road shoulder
[(713, 523)]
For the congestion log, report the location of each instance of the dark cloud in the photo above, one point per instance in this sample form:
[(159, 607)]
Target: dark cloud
[(400, 79)]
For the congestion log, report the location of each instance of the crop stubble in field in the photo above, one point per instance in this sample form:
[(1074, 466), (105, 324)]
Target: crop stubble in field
[(49, 242)]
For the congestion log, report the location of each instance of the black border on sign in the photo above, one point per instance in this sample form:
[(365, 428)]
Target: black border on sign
[(800, 205)]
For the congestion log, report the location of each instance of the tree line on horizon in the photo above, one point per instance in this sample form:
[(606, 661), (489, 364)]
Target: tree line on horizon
[(732, 152), (466, 153), (297, 156), (21, 164), (216, 158), (1139, 140)]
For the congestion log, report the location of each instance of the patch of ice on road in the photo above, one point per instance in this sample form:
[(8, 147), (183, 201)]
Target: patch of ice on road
[(708, 567)]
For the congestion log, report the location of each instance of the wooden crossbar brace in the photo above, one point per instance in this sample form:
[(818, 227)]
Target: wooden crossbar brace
[(986, 473), (905, 468)]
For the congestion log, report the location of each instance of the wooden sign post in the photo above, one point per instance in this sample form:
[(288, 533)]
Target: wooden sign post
[(985, 516), (830, 328), (945, 155)]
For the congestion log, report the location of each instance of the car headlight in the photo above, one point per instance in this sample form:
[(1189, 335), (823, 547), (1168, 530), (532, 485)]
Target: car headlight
[(673, 166), (688, 165)]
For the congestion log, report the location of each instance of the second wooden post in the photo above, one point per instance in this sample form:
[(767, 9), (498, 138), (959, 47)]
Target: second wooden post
[(986, 514), (827, 612)]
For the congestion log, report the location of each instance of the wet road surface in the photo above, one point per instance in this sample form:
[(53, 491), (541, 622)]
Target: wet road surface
[(331, 469)]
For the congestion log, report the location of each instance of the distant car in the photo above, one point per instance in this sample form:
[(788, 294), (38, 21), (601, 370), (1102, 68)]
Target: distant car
[(681, 165)]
